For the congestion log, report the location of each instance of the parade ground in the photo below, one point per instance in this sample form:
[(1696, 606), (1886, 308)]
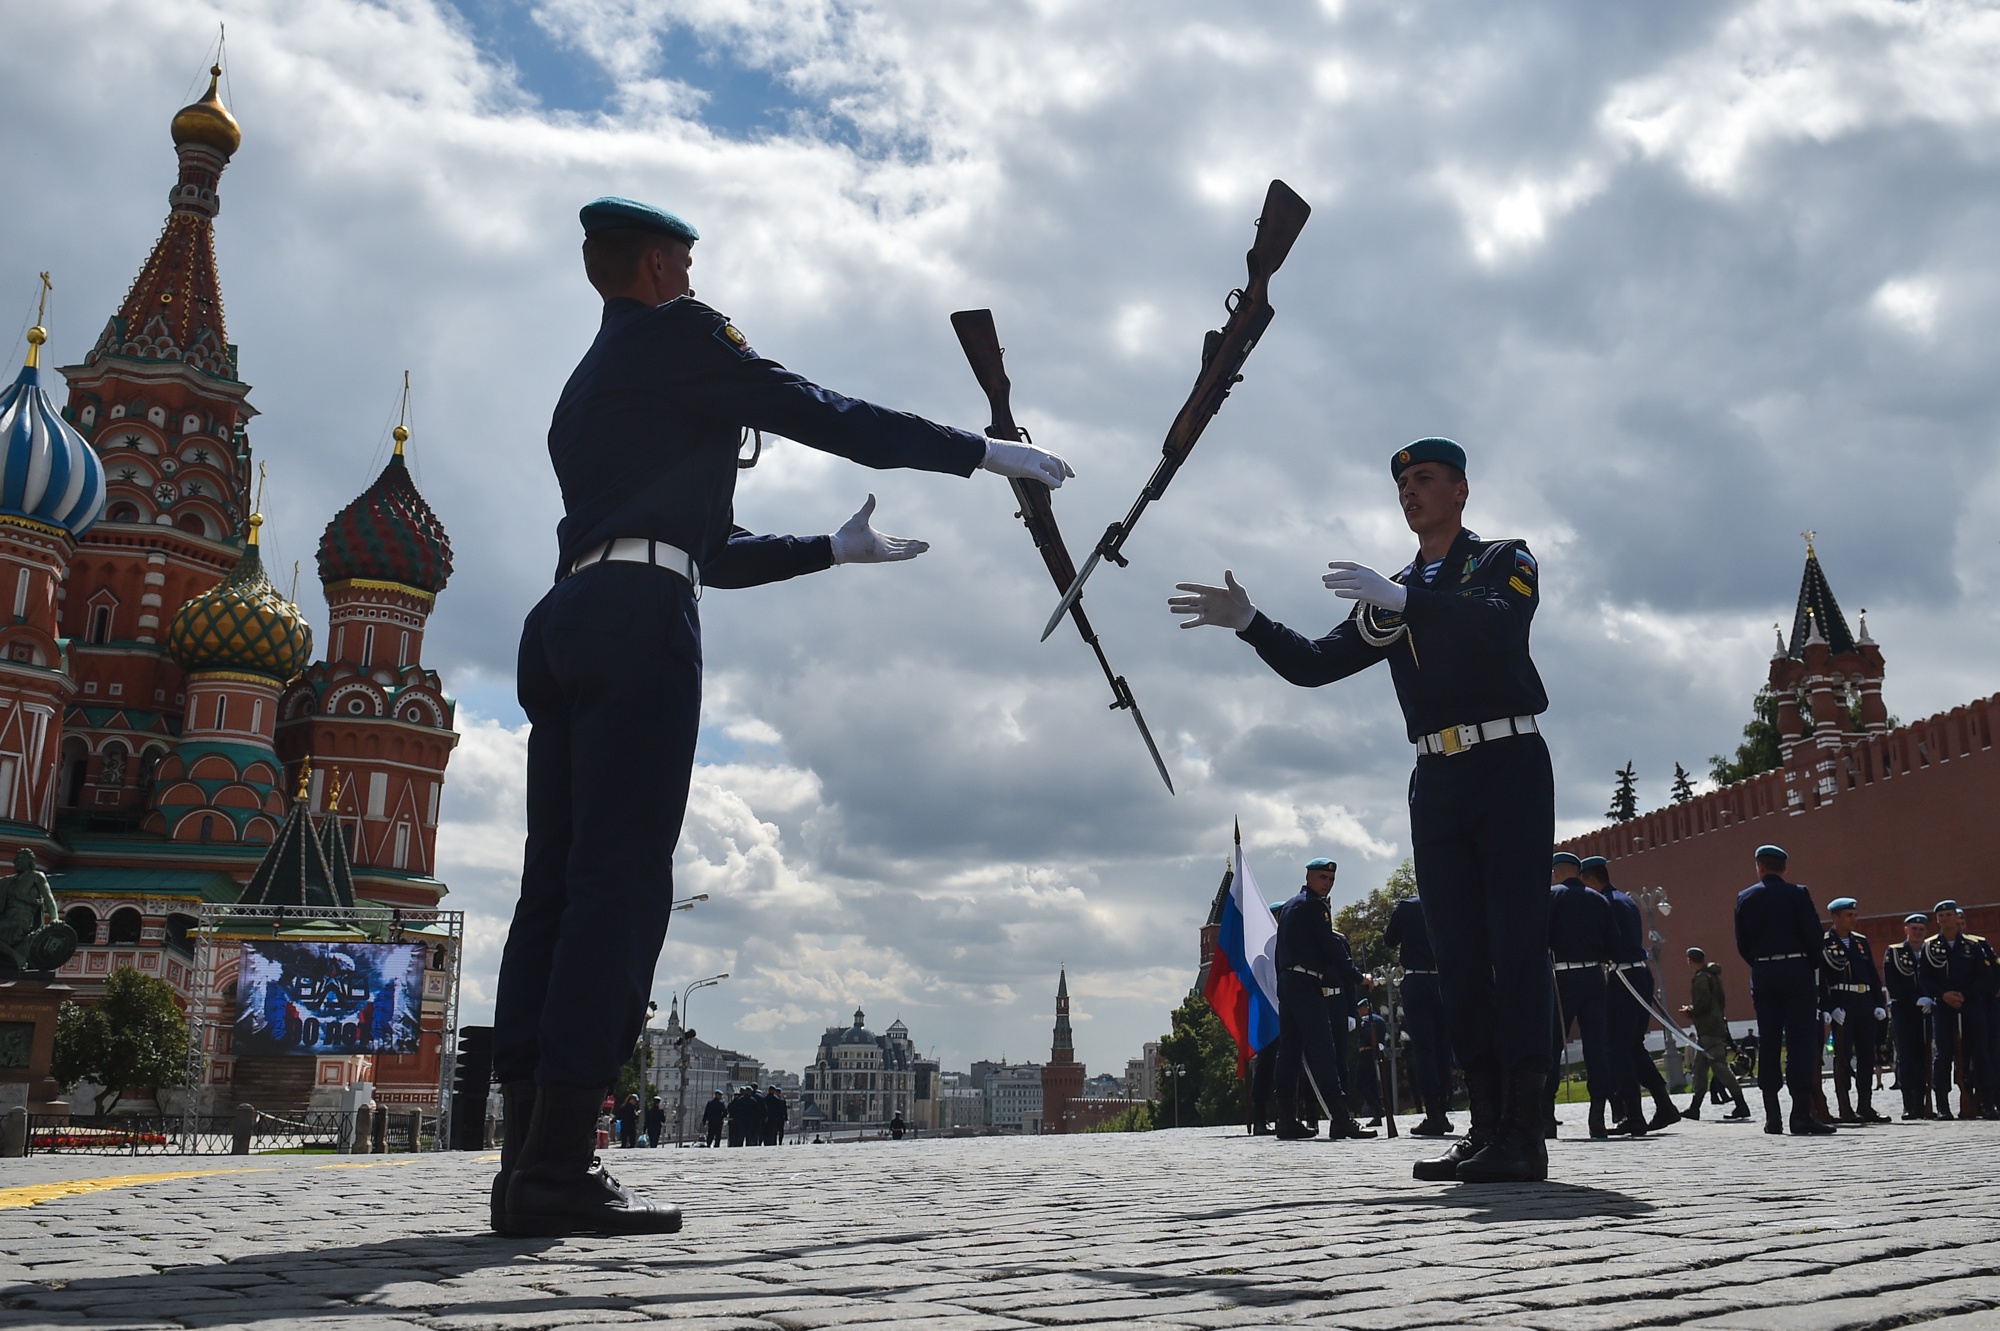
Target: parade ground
[(1707, 1225)]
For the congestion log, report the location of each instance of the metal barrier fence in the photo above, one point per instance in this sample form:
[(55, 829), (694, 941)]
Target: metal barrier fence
[(356, 1132)]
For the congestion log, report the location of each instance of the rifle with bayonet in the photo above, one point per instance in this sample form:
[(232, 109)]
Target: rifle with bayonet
[(1222, 355), (981, 341)]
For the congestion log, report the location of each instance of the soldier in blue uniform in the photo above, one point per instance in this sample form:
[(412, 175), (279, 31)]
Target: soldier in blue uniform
[(1850, 994), (1625, 1017), (1423, 1016), (1371, 1037), (1778, 933), (1453, 626), (1581, 941), (1345, 986), (1311, 957), (1909, 1014), (645, 444), (1957, 976)]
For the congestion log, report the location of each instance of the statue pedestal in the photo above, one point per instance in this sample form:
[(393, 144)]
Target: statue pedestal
[(28, 1004)]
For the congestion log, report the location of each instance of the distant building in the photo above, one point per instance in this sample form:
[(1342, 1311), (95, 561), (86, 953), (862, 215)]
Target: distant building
[(1014, 1097), (1142, 1073), (1104, 1086), (961, 1105), (859, 1077)]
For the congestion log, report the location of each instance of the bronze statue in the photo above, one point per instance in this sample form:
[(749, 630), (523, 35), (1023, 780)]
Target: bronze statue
[(26, 943)]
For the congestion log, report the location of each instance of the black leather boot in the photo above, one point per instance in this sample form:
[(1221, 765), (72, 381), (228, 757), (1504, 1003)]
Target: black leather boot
[(558, 1187), (1846, 1110), (1742, 1110), (1865, 1111), (1774, 1119), (517, 1107), (1664, 1113), (1348, 1126), (1483, 1089), (1598, 1131), (1804, 1122), (1518, 1152), (1435, 1124), (1693, 1110)]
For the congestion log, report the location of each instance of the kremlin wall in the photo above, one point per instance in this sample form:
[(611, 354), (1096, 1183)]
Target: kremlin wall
[(1898, 819), (159, 696)]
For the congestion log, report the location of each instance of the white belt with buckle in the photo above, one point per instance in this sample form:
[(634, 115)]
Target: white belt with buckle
[(1457, 739), (639, 550), (1785, 956), (1579, 965), (1630, 966), (1851, 988)]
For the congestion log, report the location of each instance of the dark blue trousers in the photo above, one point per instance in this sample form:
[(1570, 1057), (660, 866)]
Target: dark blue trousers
[(610, 677), (1430, 1046), (1481, 824), (1629, 1022), (1787, 1006), (1961, 1034), (1581, 1007), (1305, 1044), (1913, 1054)]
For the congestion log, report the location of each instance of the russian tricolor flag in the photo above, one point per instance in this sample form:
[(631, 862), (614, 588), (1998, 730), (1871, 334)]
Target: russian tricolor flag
[(1243, 973)]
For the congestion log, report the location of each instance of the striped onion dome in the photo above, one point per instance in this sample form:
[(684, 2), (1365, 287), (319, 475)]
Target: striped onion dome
[(47, 472), (243, 624), (388, 534)]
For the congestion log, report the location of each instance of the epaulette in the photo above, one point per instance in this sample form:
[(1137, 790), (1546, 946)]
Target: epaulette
[(1858, 934)]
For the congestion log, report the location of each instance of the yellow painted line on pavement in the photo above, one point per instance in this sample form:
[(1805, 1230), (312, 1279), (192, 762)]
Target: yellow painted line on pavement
[(33, 1194), (370, 1164)]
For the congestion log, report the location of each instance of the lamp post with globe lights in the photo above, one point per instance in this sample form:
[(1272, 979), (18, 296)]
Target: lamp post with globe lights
[(1653, 900)]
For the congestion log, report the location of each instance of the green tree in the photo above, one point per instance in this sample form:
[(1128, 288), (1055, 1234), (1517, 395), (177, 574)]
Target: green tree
[(1139, 1118), (134, 1036), (1624, 796), (1207, 1090), (1365, 921), (1683, 785), (1759, 751), (632, 1077)]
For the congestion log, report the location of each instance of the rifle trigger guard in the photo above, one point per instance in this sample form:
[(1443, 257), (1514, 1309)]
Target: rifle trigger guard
[(1232, 300), (756, 450)]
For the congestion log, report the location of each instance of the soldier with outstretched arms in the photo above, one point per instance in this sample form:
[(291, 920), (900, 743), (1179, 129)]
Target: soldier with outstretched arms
[(1453, 626)]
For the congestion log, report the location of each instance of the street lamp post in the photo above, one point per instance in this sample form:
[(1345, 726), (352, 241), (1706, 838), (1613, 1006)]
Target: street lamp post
[(1392, 991), (1175, 1070), (687, 1038), (1653, 900)]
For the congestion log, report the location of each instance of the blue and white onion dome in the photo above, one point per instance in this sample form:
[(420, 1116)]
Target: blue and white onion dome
[(48, 473)]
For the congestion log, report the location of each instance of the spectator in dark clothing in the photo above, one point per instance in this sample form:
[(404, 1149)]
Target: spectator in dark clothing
[(713, 1115), (746, 1118), (628, 1122), (656, 1122), (776, 1110)]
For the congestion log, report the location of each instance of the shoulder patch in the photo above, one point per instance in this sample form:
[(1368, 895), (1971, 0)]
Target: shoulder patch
[(727, 334), (1520, 586)]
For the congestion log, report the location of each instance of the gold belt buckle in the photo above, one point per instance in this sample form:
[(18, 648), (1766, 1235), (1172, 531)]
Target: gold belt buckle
[(1449, 740)]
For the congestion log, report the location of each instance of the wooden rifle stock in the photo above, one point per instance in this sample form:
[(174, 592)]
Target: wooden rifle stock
[(980, 338), (1222, 355)]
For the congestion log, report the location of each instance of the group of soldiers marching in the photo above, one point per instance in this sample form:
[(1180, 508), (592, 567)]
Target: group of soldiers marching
[(1937, 991)]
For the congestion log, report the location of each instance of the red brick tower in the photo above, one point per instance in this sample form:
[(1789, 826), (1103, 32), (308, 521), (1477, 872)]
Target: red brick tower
[(371, 709), (159, 399), (51, 490), (1062, 1075), (1828, 675)]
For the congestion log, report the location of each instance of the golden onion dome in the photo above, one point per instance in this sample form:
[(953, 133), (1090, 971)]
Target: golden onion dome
[(242, 624), (208, 121)]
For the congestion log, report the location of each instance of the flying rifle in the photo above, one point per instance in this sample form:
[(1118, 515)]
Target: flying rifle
[(1223, 352), (981, 341)]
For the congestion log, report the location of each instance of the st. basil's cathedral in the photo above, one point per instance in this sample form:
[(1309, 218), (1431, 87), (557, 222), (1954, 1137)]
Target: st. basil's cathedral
[(159, 700)]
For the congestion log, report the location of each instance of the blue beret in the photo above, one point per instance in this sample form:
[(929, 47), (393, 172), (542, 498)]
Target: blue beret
[(1321, 863), (1563, 857), (1772, 853), (1696, 954), (1426, 450), (1916, 917), (1842, 903), (611, 213), (1946, 904), (1596, 864)]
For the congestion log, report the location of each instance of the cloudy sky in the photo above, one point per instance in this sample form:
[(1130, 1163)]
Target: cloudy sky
[(1685, 279)]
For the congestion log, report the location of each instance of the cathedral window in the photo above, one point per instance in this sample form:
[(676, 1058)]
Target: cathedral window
[(21, 584), (402, 857), (368, 645), (126, 926), (200, 455), (222, 711), (111, 772), (100, 624), (82, 921)]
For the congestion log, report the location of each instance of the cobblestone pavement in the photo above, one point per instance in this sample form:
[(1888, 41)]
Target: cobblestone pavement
[(1708, 1225)]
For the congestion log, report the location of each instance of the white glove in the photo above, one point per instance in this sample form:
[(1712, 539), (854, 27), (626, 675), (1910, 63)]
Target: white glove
[(1927, 1003), (1358, 582), (1881, 1015), (1840, 1016), (1352, 1023), (1820, 1017), (858, 543), (1227, 606), (1008, 458)]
